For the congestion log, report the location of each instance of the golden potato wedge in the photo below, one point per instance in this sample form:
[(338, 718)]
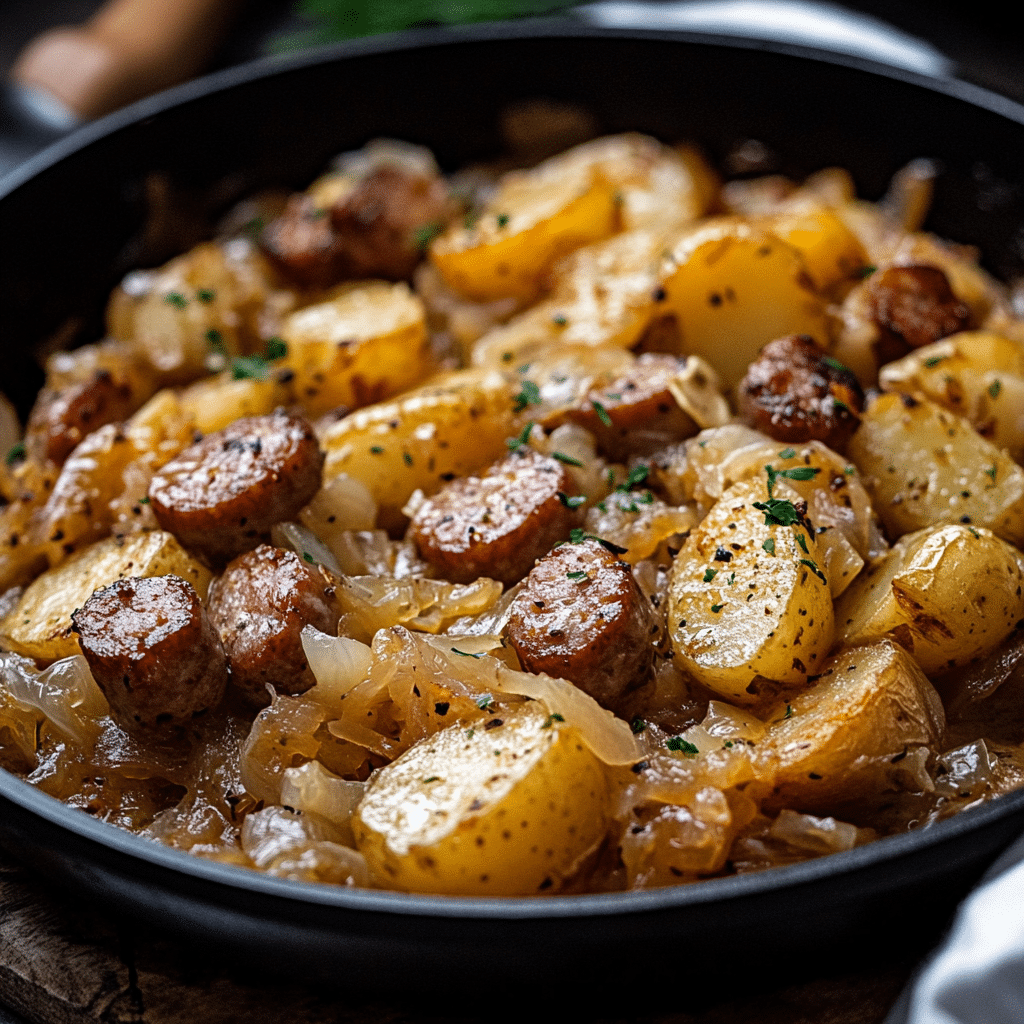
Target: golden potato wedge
[(923, 465), (837, 740), (510, 809), (976, 374), (39, 626), (368, 341), (432, 434), (536, 217), (948, 594), (831, 251), (747, 597), (214, 402), (604, 294), (733, 288), (168, 314)]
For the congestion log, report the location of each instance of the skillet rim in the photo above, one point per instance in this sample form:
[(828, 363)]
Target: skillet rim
[(181, 865)]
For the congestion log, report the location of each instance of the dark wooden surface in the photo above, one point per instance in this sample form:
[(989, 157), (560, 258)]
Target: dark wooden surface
[(64, 962)]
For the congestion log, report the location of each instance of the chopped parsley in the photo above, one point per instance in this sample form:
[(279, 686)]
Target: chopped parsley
[(789, 711), (796, 473), (716, 608), (465, 654), (567, 459), (502, 220), (216, 341), (307, 557), (515, 443), (426, 233), (578, 536), (206, 295), (580, 574), (866, 271), (769, 545), (991, 473), (407, 458), (551, 719), (573, 501), (813, 566), (710, 574), (787, 453), (802, 541), (484, 701), (559, 320), (638, 725), (778, 512), (176, 299), (683, 746), (637, 475), (15, 453), (277, 348), (602, 413), (994, 388), (834, 363), (529, 394), (249, 368), (376, 449), (933, 361), (144, 500)]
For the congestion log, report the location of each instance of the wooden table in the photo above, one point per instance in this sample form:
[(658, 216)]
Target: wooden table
[(65, 962)]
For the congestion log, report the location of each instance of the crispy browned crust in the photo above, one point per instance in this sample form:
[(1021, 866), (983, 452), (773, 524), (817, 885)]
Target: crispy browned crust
[(499, 524), (914, 305), (581, 616), (794, 392), (259, 607), (222, 495), (153, 652)]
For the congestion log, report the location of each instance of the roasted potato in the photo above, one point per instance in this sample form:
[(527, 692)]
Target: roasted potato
[(923, 465), (948, 594), (39, 625), (847, 735), (747, 597), (510, 809)]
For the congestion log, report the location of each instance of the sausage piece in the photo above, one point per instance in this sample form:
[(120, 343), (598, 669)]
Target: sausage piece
[(636, 413), (795, 392), (581, 616), (373, 231), (153, 652), (60, 419), (259, 607), (496, 525), (222, 495), (913, 306)]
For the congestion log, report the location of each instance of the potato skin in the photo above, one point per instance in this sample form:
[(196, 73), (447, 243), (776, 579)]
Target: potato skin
[(948, 594), (836, 740), (739, 609), (924, 465), (509, 809)]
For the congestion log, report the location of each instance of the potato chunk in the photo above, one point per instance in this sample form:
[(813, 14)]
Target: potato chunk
[(365, 343), (39, 626), (747, 597), (421, 440), (923, 465), (509, 809), (837, 740), (947, 594), (733, 288), (976, 374)]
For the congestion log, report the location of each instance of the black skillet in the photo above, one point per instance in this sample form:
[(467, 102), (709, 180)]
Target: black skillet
[(73, 221)]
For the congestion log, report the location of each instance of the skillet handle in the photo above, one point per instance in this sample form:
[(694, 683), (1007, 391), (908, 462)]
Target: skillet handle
[(127, 50)]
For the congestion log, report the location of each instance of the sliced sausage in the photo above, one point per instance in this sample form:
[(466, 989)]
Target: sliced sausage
[(913, 306), (152, 651), (581, 616), (259, 607), (636, 413), (376, 230), (222, 495), (60, 419), (795, 392), (499, 524)]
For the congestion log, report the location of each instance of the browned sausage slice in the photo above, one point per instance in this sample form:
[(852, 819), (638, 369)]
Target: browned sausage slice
[(259, 607), (635, 414), (496, 525), (152, 651), (581, 616), (795, 392), (60, 419), (222, 495), (915, 306), (376, 230)]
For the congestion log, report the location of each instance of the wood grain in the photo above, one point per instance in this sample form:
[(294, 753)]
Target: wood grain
[(64, 962)]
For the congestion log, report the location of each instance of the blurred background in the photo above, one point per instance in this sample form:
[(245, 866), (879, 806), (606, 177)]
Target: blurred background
[(977, 40)]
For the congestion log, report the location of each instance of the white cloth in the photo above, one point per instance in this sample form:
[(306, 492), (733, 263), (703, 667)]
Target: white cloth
[(977, 974)]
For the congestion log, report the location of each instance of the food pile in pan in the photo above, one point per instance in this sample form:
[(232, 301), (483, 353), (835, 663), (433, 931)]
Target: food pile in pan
[(591, 526)]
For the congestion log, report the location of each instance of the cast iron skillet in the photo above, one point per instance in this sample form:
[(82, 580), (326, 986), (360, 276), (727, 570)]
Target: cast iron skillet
[(72, 222)]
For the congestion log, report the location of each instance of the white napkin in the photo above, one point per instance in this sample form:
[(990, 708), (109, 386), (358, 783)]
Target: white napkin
[(977, 974)]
